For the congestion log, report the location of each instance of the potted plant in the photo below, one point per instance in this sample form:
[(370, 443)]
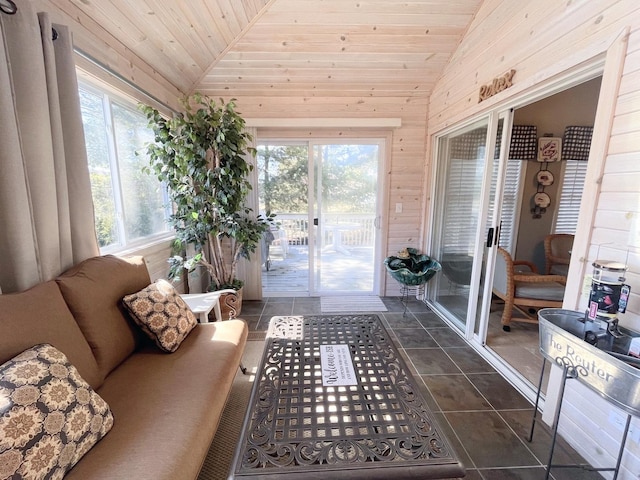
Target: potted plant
[(201, 155)]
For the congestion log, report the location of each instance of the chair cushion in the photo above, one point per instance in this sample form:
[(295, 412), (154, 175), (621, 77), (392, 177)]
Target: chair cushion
[(49, 416), (558, 269), (93, 289), (40, 315), (162, 314), (540, 291)]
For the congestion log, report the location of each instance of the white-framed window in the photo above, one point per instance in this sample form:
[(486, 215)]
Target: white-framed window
[(573, 176), (130, 206)]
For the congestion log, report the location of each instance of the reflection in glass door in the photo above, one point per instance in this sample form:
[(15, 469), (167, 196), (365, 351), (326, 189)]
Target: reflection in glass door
[(461, 171)]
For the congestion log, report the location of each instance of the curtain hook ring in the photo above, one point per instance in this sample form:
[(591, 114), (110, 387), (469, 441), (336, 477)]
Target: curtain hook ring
[(8, 6)]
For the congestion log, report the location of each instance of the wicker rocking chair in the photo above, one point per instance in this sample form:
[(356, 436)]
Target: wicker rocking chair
[(519, 284), (557, 248)]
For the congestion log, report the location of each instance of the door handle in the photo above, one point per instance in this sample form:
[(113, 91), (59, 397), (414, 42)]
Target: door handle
[(490, 238)]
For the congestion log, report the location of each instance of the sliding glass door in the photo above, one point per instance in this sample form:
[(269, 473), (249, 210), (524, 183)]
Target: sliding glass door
[(466, 218), (461, 159), (346, 218), (326, 199)]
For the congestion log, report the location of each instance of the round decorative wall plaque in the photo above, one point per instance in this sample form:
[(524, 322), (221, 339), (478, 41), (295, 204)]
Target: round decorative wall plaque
[(545, 178), (542, 200)]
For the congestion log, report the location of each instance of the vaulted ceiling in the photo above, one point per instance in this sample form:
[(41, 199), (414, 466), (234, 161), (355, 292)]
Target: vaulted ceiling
[(288, 47)]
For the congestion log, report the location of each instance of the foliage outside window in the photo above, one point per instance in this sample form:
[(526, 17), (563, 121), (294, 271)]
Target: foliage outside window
[(130, 205), (282, 178), (347, 180)]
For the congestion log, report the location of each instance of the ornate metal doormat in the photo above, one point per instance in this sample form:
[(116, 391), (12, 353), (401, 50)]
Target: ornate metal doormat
[(308, 418)]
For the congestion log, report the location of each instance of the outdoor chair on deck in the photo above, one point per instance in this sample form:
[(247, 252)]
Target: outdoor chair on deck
[(519, 284), (557, 253)]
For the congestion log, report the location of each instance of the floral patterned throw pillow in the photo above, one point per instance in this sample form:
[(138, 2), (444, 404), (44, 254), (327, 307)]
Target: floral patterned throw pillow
[(49, 416), (162, 314)]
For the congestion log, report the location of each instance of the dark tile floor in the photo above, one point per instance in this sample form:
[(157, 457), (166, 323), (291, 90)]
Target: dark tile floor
[(484, 417)]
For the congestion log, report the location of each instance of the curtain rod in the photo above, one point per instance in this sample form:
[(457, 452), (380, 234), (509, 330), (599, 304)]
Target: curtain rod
[(9, 7), (120, 77)]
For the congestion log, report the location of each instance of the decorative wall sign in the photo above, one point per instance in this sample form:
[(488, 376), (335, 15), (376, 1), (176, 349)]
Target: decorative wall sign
[(549, 149), (497, 85)]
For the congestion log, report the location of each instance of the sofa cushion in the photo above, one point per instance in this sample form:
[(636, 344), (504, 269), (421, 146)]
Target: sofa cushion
[(93, 289), (49, 416), (167, 407), (40, 315), (162, 314)]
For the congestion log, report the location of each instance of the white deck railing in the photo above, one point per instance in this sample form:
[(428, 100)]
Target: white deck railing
[(356, 230)]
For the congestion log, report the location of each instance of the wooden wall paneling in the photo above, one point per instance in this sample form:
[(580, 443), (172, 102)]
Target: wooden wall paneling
[(257, 41), (597, 29), (495, 34), (375, 7), (623, 129), (397, 59), (619, 163), (182, 37), (91, 38), (628, 103), (515, 51), (407, 148)]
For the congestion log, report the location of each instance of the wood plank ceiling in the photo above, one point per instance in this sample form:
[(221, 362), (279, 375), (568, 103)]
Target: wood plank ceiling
[(289, 47)]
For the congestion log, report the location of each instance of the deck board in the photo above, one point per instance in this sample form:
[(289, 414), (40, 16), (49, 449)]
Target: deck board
[(340, 272)]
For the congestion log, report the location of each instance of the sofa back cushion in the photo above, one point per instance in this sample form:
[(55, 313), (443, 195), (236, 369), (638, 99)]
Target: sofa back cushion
[(40, 315), (93, 289)]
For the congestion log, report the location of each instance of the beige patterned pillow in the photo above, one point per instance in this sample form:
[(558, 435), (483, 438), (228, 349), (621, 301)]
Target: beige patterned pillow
[(49, 416), (162, 314)]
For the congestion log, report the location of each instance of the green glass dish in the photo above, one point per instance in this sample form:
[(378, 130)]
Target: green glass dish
[(415, 269)]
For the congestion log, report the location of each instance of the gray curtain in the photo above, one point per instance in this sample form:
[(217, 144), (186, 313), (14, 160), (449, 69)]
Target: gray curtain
[(46, 209)]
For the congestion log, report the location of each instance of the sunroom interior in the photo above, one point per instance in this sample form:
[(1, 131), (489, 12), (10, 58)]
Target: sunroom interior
[(392, 83)]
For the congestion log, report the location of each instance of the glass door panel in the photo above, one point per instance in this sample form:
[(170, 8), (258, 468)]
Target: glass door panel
[(461, 171), (283, 190), (493, 223), (326, 239), (346, 181)]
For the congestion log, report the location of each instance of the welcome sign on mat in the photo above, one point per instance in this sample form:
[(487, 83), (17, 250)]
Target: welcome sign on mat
[(337, 366)]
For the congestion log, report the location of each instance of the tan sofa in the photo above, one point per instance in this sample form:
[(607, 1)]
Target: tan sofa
[(166, 406)]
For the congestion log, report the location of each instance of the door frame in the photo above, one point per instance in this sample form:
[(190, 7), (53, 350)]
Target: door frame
[(364, 137), (440, 188), (314, 210), (596, 66)]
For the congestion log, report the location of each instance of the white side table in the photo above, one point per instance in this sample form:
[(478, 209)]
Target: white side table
[(202, 303)]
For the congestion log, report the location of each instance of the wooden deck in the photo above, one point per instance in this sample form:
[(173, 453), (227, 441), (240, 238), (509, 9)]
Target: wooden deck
[(339, 272)]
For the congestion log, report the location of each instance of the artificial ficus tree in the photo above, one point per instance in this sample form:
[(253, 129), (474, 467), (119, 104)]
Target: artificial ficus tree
[(201, 154)]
